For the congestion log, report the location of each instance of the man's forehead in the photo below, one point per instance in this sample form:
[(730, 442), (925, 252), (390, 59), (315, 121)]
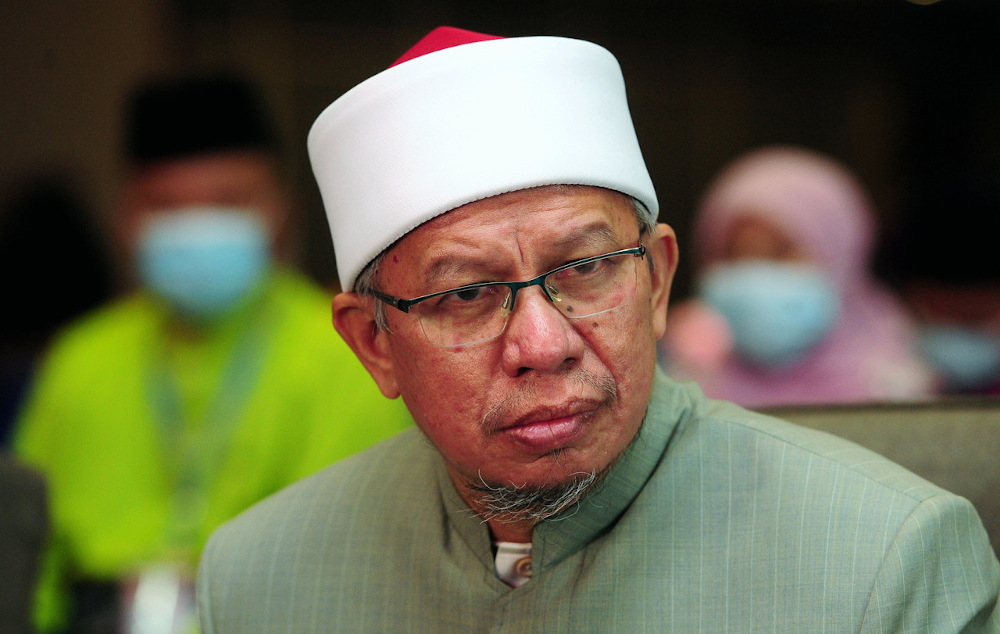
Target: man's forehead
[(208, 166), (233, 177), (560, 221)]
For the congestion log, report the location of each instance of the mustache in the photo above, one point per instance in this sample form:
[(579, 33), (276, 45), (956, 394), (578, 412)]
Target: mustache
[(525, 399)]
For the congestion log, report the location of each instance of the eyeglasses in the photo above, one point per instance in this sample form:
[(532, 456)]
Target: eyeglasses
[(479, 312)]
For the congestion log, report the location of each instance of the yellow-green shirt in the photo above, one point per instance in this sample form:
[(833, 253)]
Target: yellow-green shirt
[(151, 435)]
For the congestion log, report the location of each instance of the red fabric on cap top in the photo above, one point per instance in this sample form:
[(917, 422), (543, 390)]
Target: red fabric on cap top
[(441, 38)]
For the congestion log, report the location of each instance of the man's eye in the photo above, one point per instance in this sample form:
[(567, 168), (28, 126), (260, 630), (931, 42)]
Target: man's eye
[(582, 269), (587, 267), (470, 294)]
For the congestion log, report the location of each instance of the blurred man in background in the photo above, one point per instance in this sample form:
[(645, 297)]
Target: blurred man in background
[(217, 382)]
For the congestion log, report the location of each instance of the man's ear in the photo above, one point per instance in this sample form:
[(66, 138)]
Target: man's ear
[(662, 248), (354, 319)]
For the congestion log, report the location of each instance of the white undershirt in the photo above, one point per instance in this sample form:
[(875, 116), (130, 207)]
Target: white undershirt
[(513, 563)]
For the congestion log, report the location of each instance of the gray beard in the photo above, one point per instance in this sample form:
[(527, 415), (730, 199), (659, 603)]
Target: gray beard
[(511, 504)]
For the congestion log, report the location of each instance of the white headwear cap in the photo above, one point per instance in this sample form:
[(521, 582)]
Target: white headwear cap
[(468, 122)]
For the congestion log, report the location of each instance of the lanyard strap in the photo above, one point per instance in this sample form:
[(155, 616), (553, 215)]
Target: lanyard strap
[(194, 449)]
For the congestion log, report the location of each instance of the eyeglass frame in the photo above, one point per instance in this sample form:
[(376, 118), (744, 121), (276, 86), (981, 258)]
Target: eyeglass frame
[(404, 305)]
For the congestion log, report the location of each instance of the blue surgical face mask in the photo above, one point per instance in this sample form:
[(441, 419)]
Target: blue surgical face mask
[(203, 260), (777, 311), (967, 358)]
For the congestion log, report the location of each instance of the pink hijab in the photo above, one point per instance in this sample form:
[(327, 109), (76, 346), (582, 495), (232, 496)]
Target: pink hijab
[(822, 208)]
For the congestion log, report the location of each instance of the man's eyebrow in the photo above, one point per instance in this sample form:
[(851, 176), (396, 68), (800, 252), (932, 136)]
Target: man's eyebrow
[(592, 236), (450, 267), (597, 237)]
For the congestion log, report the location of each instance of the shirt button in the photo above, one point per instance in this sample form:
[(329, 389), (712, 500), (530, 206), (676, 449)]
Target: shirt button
[(523, 567)]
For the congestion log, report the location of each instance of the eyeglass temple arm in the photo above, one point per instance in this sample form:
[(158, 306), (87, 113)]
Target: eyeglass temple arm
[(395, 302)]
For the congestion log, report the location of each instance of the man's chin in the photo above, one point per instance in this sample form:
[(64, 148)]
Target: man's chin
[(531, 502)]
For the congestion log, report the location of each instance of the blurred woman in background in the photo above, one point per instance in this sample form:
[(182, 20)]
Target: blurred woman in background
[(787, 310)]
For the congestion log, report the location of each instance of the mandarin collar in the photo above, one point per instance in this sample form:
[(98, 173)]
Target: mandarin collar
[(560, 537)]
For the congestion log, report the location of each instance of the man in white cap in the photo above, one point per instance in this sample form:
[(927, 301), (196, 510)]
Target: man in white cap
[(493, 215)]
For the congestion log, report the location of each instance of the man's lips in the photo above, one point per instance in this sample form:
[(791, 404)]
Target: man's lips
[(548, 429)]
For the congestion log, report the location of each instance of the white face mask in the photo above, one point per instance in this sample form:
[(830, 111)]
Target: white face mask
[(203, 260), (776, 311)]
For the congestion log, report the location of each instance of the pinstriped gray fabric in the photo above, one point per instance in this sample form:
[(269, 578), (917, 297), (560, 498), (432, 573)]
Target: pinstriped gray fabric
[(715, 520)]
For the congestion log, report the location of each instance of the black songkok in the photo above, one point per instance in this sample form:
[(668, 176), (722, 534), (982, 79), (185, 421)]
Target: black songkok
[(183, 117)]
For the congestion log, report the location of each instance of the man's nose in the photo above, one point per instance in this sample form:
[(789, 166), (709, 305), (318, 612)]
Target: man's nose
[(538, 337)]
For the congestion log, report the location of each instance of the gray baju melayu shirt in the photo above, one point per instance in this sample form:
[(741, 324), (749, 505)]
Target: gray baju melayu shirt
[(716, 519)]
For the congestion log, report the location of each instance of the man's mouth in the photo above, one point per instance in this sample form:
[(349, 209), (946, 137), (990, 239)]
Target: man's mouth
[(548, 429)]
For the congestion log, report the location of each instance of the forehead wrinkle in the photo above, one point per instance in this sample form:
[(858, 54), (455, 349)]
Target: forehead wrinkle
[(451, 266), (595, 236), (461, 255), (473, 250)]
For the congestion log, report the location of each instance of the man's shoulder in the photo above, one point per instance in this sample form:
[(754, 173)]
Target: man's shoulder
[(302, 331), (376, 506), (366, 487), (106, 335), (114, 320), (299, 296), (322, 529), (789, 448), (740, 495)]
